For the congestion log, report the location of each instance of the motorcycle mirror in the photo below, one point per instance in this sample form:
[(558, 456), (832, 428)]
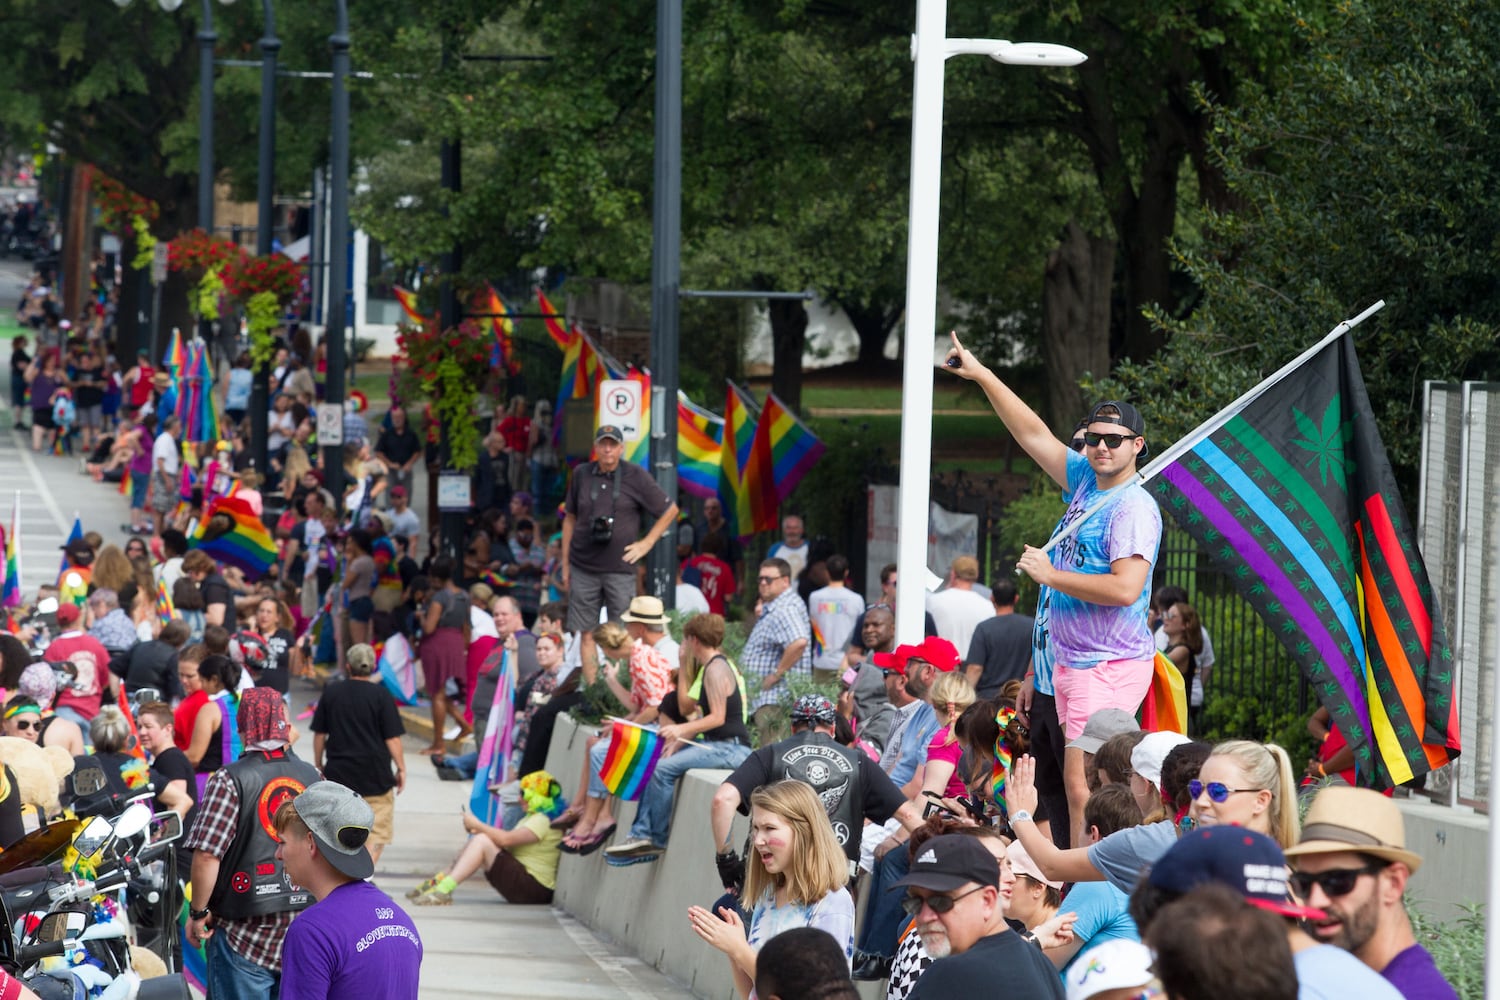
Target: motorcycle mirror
[(47, 606), (93, 837), (165, 828), (133, 820), (88, 781)]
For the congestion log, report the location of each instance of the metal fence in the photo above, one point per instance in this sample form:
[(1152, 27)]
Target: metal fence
[(1459, 535)]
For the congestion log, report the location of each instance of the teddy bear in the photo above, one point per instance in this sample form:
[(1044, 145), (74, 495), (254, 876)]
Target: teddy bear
[(39, 772)]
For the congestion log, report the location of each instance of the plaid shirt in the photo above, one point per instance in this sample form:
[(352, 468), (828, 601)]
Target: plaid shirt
[(782, 623), (256, 938)]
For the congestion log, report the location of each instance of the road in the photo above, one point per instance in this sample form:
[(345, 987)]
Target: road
[(478, 946)]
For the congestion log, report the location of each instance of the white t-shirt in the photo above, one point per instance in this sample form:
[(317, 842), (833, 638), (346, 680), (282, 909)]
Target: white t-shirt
[(481, 624), (833, 612), (164, 454), (690, 600), (796, 558), (957, 613)]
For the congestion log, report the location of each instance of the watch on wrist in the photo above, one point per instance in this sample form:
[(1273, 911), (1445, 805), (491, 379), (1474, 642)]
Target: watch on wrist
[(1021, 816), (198, 914)]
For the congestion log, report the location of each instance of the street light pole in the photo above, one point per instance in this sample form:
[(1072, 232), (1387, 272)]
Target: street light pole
[(666, 277), (206, 41), (338, 247), (260, 392), (931, 48)]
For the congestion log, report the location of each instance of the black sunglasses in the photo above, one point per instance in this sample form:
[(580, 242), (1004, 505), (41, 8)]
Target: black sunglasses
[(768, 579), (939, 903), (1111, 440), (1335, 882), (28, 724), (1076, 444)]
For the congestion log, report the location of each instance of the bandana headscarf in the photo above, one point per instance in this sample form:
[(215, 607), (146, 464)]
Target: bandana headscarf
[(262, 719), (1002, 755), (11, 713), (542, 794), (38, 683)]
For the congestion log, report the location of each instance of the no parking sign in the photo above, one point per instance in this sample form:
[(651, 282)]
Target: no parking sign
[(620, 403)]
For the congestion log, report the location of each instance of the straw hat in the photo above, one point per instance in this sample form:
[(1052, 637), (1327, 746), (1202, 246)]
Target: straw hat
[(1354, 819)]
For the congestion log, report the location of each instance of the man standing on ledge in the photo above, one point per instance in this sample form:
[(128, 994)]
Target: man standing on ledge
[(1100, 576), (601, 540)]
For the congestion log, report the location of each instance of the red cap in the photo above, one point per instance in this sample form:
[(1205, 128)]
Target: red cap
[(894, 660), (68, 613), (939, 652)]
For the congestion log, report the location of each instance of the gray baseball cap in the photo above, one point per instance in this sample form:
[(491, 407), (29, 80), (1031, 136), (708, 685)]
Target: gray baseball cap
[(340, 822), (1102, 725)]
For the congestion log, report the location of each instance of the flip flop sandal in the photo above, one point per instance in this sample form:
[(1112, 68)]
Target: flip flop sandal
[(568, 817), (596, 841), (571, 844)]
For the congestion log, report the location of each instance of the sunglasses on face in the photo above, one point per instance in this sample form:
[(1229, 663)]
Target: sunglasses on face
[(1076, 444), (938, 903), (1335, 882), (768, 579), (1217, 790), (1110, 441), (25, 724)]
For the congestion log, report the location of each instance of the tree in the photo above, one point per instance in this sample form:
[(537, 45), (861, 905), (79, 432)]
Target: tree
[(1368, 173)]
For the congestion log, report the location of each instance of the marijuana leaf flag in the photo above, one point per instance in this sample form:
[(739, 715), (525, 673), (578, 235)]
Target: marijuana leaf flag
[(1291, 493)]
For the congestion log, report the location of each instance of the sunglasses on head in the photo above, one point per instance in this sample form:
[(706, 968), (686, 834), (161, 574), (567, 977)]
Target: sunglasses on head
[(1217, 790), (1109, 440), (938, 904), (1335, 882)]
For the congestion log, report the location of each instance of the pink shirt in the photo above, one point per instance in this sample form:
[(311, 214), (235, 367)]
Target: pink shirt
[(650, 676), (950, 752)]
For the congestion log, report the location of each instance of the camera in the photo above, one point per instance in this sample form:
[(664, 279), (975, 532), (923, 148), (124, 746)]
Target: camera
[(602, 530)]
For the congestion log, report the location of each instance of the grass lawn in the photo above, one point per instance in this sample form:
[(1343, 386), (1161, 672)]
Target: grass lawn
[(957, 396)]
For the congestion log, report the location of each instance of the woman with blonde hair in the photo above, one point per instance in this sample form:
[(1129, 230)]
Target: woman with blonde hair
[(951, 696), (1249, 784), (112, 569), (795, 876)]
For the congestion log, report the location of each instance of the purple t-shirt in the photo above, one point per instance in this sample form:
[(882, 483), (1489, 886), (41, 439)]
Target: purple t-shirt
[(354, 944), (1414, 974), (1085, 634)]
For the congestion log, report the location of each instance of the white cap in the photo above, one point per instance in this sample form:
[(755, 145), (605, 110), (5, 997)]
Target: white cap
[(1119, 963), (1147, 757)]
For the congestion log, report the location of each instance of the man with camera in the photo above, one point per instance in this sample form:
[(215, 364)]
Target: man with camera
[(606, 504)]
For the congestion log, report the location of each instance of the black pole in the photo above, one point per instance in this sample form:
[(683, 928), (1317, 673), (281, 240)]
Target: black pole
[(206, 41), (338, 249), (666, 277), (450, 309), (260, 392)]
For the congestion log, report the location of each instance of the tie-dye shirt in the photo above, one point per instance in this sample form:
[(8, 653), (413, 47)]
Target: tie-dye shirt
[(1082, 633)]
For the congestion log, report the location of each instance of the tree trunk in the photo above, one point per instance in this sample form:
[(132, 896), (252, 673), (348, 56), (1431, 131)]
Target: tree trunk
[(1147, 227), (130, 332), (873, 325), (788, 340), (1075, 321)]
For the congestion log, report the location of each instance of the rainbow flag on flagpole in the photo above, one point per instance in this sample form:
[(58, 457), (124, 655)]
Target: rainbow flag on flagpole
[(631, 759), (784, 450), (494, 750), (504, 352), (700, 438), (562, 337), (408, 300), (10, 597), (638, 452), (739, 437)]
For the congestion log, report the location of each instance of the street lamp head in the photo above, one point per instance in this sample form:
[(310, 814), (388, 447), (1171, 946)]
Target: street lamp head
[(122, 4), (1037, 54), (169, 5)]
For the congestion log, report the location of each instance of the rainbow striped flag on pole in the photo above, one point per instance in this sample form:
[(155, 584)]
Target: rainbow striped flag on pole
[(11, 596), (738, 491), (631, 759), (562, 337), (783, 452), (1290, 491), (504, 351), (408, 300)]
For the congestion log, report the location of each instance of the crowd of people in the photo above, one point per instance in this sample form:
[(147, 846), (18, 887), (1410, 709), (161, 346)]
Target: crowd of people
[(977, 806)]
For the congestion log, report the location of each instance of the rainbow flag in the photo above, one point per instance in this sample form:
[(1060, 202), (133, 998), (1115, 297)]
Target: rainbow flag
[(232, 533), (630, 760), (494, 750), (165, 611), (1165, 708), (584, 367), (785, 447), (639, 450), (408, 300), (551, 319), (700, 436), (176, 355), (739, 437), (1290, 491), (504, 351), (10, 597)]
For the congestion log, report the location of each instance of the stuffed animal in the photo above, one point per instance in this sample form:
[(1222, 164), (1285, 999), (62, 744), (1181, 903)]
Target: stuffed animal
[(39, 771)]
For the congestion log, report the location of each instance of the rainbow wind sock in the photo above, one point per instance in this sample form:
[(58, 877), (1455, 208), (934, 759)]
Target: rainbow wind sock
[(631, 759), (1290, 491), (494, 751)]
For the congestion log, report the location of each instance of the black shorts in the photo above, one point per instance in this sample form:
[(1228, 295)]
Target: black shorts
[(43, 418), (361, 609)]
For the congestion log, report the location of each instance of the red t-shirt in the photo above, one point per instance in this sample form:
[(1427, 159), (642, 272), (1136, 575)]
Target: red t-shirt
[(717, 581), (186, 717), (91, 659), (517, 433), (140, 389)]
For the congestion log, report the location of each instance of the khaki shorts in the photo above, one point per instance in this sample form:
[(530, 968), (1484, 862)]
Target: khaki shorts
[(383, 829)]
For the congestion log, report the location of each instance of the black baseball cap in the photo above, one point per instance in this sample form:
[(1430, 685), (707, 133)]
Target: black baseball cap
[(1116, 411), (609, 431), (951, 861)]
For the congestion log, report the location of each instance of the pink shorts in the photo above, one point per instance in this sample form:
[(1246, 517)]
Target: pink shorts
[(1118, 684)]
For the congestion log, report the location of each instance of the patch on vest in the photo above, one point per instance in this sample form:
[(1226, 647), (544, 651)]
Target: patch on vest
[(277, 792)]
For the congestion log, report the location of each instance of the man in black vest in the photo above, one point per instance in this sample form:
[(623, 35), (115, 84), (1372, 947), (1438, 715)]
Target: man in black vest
[(852, 787), (242, 900)]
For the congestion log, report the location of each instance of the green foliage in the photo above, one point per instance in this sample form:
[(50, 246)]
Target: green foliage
[(1457, 946), (1028, 520), (262, 316), (837, 483), (599, 700), (1368, 173)]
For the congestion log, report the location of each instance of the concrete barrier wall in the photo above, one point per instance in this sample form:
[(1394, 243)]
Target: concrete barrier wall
[(1454, 845), (644, 907)]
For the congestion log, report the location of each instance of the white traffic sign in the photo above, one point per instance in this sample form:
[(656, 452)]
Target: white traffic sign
[(159, 263), (330, 424), (620, 404)]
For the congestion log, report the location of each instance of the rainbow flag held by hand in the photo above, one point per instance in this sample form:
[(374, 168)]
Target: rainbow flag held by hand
[(631, 759), (1165, 708), (232, 533), (1290, 492), (165, 610)]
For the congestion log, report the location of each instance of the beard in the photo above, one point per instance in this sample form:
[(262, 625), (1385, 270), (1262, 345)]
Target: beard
[(935, 939), (1356, 927)]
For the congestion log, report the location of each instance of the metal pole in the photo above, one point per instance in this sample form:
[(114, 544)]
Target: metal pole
[(260, 393), (206, 41), (450, 309), (921, 319), (666, 277), (338, 246)]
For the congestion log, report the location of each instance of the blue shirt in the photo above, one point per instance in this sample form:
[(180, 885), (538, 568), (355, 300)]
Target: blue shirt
[(1103, 915), (915, 737)]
